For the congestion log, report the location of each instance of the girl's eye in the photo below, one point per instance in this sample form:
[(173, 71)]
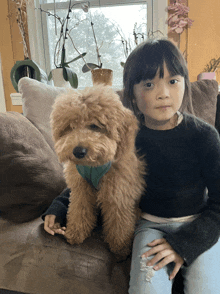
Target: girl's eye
[(149, 85), (174, 81)]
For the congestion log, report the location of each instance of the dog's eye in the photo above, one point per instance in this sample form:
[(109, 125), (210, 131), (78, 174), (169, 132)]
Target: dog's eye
[(94, 127), (67, 130)]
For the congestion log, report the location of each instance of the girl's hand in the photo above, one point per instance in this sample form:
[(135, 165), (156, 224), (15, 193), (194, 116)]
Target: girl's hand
[(51, 227), (164, 254)]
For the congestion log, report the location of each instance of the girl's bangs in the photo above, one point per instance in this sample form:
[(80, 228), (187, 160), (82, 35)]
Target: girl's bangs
[(148, 67), (174, 68), (153, 57), (151, 70)]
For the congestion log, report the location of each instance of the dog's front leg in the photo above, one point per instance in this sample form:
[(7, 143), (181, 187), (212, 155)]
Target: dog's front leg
[(81, 217), (119, 221)]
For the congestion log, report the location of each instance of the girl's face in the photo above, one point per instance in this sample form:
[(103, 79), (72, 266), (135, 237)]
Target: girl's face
[(159, 99)]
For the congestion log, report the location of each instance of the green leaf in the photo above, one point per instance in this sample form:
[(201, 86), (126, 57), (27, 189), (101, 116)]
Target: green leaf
[(50, 76), (90, 66), (70, 76), (122, 64), (78, 57), (63, 57)]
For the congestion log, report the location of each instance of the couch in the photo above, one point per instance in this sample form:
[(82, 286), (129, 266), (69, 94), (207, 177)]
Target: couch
[(31, 260)]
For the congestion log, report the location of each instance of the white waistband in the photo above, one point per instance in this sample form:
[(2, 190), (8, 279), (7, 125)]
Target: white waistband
[(163, 220)]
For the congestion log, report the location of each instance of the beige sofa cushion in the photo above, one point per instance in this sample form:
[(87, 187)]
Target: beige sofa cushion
[(32, 261)]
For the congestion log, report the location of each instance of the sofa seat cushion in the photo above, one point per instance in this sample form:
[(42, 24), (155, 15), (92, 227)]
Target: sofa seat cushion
[(32, 261), (30, 174)]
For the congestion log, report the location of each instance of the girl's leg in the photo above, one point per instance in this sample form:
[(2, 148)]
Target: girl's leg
[(202, 276), (145, 280)]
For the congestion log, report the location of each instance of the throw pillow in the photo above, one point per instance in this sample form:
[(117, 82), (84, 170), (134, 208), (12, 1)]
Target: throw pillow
[(30, 174), (37, 100), (204, 99), (217, 120)]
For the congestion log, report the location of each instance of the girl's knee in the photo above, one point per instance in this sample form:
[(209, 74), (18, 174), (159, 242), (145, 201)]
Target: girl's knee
[(144, 279), (148, 270)]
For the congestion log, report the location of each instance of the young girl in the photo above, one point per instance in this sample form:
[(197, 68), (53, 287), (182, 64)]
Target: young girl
[(180, 224)]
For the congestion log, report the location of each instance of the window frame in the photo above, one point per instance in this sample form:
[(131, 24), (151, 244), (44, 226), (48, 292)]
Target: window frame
[(37, 23), (2, 93)]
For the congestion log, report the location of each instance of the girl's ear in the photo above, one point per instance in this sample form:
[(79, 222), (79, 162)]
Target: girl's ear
[(127, 131)]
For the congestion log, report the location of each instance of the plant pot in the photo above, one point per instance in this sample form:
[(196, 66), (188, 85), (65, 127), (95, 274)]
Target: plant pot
[(58, 79), (206, 76), (102, 76), (26, 68)]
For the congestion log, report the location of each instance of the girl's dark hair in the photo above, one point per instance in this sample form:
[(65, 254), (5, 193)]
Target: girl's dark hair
[(144, 62)]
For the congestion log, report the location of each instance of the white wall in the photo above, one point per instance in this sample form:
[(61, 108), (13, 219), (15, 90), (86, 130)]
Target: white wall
[(2, 95)]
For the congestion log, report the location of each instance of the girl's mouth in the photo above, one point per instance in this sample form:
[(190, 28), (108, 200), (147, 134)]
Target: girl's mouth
[(164, 107)]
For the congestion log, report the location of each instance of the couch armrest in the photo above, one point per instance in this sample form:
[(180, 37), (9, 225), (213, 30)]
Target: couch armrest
[(30, 174)]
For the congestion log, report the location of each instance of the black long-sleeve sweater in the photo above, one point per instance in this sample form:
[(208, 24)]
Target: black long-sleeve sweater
[(181, 164)]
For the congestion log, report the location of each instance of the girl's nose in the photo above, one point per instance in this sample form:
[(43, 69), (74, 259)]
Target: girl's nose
[(163, 92)]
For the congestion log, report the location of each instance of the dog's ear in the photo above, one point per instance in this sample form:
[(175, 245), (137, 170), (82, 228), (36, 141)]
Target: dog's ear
[(63, 110), (127, 130)]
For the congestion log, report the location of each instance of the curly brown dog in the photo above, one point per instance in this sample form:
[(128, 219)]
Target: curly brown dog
[(94, 136)]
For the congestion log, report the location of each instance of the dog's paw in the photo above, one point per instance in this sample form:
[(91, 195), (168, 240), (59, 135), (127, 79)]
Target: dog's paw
[(75, 237)]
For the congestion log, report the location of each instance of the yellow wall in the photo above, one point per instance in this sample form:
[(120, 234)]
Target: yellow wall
[(203, 36), (11, 48)]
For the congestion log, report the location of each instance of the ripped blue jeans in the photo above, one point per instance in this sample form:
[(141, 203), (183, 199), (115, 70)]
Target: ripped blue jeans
[(202, 276)]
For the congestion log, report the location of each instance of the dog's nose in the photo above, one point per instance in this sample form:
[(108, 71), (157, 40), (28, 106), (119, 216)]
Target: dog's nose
[(79, 152)]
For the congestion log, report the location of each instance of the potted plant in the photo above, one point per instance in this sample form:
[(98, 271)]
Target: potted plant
[(62, 74), (209, 70), (99, 74), (25, 67), (139, 36), (127, 44)]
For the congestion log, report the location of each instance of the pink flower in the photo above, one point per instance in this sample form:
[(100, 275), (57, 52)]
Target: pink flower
[(179, 8), (172, 19), (178, 1), (178, 19)]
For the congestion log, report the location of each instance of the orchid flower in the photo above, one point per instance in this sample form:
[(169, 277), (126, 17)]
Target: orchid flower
[(178, 20)]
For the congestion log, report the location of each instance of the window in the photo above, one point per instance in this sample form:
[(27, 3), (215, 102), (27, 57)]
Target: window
[(114, 22)]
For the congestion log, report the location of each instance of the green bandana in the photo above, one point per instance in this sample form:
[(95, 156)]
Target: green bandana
[(93, 174)]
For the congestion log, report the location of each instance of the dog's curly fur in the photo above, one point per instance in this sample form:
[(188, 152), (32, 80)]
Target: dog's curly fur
[(95, 119)]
